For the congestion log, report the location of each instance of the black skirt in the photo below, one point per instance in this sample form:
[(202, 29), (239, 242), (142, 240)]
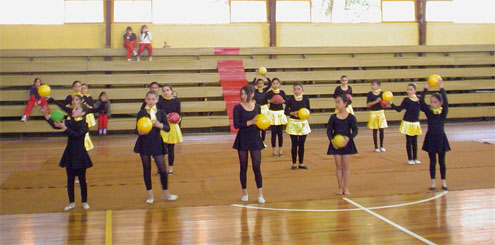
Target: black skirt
[(248, 139), (349, 149), (436, 143), (150, 144)]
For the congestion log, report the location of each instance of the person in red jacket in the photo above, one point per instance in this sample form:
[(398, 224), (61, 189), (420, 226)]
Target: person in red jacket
[(129, 42), (34, 100)]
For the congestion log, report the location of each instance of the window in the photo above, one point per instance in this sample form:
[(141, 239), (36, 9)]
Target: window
[(83, 11), (191, 12), (293, 11), (248, 11), (398, 11), (132, 11), (346, 11), (439, 11), (474, 11), (32, 12)]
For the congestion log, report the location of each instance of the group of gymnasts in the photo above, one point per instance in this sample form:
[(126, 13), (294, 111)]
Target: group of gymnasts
[(256, 99), (259, 99)]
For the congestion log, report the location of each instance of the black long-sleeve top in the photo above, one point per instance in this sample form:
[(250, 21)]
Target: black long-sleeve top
[(248, 137), (347, 127), (88, 100), (292, 105), (338, 91), (436, 122), (169, 106), (75, 155), (260, 96), (151, 144), (372, 98), (411, 107), (274, 107)]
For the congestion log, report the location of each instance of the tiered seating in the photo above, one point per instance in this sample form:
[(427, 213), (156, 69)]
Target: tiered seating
[(468, 72)]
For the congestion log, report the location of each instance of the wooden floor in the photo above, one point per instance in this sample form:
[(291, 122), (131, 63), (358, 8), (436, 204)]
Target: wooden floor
[(372, 215)]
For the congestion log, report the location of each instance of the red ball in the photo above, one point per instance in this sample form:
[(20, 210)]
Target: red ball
[(277, 99), (349, 96), (384, 103), (173, 117)]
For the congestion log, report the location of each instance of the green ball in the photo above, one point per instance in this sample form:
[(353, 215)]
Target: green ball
[(57, 115)]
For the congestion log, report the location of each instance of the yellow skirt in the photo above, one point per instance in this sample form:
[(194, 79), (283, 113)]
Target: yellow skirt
[(298, 127), (377, 120), (264, 109), (410, 128), (174, 136), (348, 109), (88, 144), (277, 117), (90, 120)]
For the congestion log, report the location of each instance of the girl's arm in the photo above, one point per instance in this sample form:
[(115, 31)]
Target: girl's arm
[(269, 83), (350, 90), (401, 107), (68, 100), (330, 128), (445, 105), (335, 93), (76, 133), (307, 104), (369, 101), (166, 126), (288, 106), (50, 122), (354, 127), (60, 105), (178, 105), (423, 106)]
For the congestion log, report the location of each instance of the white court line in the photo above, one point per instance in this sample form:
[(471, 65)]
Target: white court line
[(390, 222), (342, 209)]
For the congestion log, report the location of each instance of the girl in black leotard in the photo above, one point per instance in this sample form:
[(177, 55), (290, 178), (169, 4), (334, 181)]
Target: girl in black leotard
[(248, 140)]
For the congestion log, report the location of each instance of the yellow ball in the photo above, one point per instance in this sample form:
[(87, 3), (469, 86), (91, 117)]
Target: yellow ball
[(387, 96), (144, 125), (262, 121), (303, 113), (44, 90), (262, 70), (433, 80), (338, 141)]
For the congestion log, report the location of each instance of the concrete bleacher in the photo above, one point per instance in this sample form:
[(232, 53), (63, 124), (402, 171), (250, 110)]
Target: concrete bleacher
[(468, 71)]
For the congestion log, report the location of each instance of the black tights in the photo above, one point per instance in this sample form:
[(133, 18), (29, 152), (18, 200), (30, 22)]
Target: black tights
[(441, 162), (412, 147), (297, 142), (160, 164), (277, 130), (256, 160), (375, 137), (171, 154), (71, 175), (263, 135)]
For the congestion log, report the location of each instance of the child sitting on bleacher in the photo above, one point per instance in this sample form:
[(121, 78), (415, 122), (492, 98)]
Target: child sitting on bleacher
[(34, 100)]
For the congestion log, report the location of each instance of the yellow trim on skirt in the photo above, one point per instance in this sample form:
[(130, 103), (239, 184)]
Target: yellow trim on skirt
[(264, 109), (377, 120), (90, 120), (298, 127), (348, 109), (88, 144), (174, 136), (410, 128), (277, 117)]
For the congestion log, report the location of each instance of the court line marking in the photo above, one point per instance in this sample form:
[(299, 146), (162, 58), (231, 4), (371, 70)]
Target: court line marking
[(342, 209), (390, 222), (108, 228)]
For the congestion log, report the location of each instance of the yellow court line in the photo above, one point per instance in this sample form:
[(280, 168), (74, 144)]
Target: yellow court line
[(108, 228)]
